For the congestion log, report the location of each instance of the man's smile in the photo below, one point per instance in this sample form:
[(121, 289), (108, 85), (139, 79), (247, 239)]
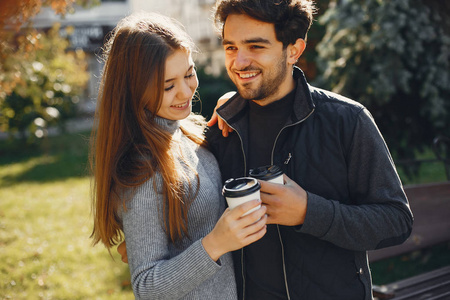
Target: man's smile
[(248, 75)]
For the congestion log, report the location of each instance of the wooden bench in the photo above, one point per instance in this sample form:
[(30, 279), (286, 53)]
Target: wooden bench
[(430, 204), (428, 286)]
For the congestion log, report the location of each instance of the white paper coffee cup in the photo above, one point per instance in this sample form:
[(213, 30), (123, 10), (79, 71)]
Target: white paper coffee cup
[(240, 190), (271, 173)]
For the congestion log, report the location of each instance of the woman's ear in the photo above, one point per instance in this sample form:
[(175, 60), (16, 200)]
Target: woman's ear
[(294, 51)]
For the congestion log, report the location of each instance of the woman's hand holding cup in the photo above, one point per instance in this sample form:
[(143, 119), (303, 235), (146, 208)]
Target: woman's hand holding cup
[(236, 229)]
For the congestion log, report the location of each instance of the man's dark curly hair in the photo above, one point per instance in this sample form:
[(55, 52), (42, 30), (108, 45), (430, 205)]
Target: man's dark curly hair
[(292, 18)]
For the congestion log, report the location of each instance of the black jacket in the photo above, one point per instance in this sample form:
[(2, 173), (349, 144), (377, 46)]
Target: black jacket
[(332, 148)]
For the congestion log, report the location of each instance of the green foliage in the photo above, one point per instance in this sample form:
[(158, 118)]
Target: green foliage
[(424, 169), (41, 83), (394, 57)]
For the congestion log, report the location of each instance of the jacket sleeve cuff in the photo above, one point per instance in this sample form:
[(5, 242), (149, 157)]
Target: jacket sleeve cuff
[(319, 216)]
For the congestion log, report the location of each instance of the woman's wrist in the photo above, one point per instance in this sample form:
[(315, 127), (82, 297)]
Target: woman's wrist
[(211, 248)]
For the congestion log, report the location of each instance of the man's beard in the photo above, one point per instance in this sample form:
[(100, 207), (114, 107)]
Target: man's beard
[(269, 85)]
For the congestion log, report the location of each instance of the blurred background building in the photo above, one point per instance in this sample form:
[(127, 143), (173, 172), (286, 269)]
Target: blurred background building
[(87, 29)]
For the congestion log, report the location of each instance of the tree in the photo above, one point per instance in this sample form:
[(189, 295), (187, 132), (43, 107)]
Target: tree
[(39, 80), (46, 82), (16, 13), (16, 18), (394, 57)]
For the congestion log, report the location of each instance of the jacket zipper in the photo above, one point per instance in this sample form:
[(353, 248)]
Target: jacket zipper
[(242, 146), (243, 274), (245, 172), (278, 227), (284, 264), (278, 135)]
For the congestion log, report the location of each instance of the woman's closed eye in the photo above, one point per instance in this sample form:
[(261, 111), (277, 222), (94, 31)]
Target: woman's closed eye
[(169, 88), (172, 86)]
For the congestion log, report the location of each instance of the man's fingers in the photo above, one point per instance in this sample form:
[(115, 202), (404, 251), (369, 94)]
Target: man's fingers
[(270, 188), (224, 132), (213, 119), (220, 123), (275, 188), (270, 200)]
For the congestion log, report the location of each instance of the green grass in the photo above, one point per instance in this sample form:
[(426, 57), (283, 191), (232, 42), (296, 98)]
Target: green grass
[(45, 224), (427, 171)]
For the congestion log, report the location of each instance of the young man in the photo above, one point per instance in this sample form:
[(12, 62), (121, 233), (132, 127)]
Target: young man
[(342, 195)]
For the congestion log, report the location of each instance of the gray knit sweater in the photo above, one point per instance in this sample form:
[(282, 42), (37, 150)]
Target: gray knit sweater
[(159, 270)]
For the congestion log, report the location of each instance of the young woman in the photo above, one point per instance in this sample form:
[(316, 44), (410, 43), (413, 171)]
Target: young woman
[(154, 179)]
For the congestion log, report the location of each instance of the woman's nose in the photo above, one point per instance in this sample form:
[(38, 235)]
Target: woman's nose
[(186, 90)]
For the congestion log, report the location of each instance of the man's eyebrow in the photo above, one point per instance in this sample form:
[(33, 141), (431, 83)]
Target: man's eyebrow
[(256, 40), (172, 79)]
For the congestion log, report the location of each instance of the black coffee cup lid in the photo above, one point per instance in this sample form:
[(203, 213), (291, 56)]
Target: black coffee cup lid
[(266, 172), (240, 187)]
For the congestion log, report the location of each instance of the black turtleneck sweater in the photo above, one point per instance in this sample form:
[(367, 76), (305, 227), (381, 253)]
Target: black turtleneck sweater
[(262, 259)]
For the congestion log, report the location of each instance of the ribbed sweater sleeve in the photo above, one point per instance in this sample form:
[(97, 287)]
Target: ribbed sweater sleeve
[(156, 275)]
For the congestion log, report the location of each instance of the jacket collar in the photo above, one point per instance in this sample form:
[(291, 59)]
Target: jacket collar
[(235, 108)]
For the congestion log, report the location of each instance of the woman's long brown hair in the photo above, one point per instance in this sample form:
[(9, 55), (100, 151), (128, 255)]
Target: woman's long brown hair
[(127, 146)]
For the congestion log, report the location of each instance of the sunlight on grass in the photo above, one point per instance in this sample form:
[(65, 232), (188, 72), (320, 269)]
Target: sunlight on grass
[(22, 167), (45, 244)]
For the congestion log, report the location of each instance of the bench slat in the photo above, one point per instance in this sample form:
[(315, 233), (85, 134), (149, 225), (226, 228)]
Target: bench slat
[(431, 285)]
